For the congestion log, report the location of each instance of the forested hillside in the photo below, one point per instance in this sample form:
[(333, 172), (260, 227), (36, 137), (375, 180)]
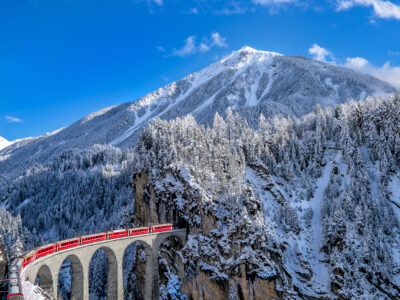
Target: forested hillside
[(282, 197), (305, 206), (309, 206)]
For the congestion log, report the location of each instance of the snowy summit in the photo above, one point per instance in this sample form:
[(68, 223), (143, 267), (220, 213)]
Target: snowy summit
[(248, 81), (3, 143)]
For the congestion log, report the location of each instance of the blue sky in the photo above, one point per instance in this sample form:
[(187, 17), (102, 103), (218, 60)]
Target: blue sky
[(63, 59)]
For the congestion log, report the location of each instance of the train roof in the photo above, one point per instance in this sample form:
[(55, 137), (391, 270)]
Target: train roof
[(84, 236), (45, 246), (30, 252), (134, 228), (118, 230), (69, 240)]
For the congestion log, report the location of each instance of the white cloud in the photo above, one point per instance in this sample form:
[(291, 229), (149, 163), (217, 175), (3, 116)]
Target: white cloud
[(386, 72), (194, 10), (161, 49), (319, 53), (272, 2), (233, 8), (158, 2), (204, 47), (13, 119), (383, 9), (190, 46), (218, 40), (230, 7)]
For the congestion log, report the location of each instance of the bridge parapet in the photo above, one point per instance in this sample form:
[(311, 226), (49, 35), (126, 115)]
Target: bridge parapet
[(47, 268)]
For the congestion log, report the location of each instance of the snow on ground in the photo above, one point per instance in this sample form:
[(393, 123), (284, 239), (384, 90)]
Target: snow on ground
[(372, 171), (309, 241), (31, 291), (394, 187), (335, 87), (4, 143), (321, 281), (23, 203), (235, 61)]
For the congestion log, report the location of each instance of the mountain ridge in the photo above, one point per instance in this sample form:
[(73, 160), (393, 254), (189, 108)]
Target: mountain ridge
[(249, 81), (270, 203)]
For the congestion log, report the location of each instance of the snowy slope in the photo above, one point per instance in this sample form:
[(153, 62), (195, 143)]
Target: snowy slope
[(249, 81), (3, 143), (302, 208), (311, 204)]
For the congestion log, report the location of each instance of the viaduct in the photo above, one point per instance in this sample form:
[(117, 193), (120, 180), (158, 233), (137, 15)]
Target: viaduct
[(47, 268)]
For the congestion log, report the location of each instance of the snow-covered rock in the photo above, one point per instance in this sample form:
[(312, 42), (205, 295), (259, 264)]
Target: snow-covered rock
[(304, 208)]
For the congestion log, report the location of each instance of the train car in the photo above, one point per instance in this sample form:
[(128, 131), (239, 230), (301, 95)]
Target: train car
[(46, 250), (87, 239), (139, 230), (163, 227), (117, 234), (14, 288), (29, 257), (68, 243), (16, 265), (13, 281)]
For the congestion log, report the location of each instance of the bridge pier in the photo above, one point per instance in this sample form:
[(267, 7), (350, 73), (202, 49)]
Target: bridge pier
[(55, 285), (120, 277), (77, 281), (112, 277), (148, 277), (85, 281)]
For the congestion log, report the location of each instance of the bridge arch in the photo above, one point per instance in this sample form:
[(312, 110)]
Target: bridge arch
[(77, 276), (44, 279), (135, 263), (112, 273), (162, 238), (47, 268)]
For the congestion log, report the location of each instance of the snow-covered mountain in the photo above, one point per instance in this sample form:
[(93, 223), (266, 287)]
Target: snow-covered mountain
[(249, 81), (270, 203), (299, 209), (3, 143)]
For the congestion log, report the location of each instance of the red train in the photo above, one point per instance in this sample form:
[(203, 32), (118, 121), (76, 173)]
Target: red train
[(62, 245)]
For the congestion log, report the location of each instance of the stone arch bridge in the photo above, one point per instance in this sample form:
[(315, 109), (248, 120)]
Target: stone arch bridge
[(47, 268)]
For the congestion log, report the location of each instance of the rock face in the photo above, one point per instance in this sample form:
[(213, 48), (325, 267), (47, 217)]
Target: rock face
[(304, 208), (227, 255), (220, 232)]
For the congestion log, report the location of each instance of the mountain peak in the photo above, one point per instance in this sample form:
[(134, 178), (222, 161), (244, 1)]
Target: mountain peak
[(248, 81), (247, 48), (3, 143)]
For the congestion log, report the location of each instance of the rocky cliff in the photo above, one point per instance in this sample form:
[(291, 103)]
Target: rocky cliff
[(304, 208), (228, 253)]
